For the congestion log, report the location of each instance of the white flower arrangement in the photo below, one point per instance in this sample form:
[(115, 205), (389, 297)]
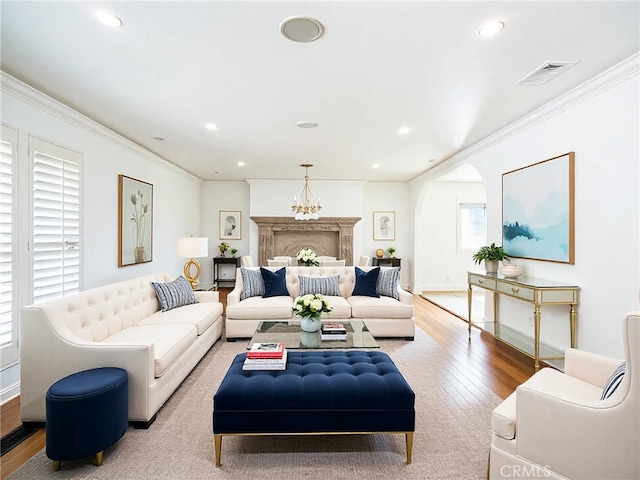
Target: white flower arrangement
[(311, 304), (308, 257)]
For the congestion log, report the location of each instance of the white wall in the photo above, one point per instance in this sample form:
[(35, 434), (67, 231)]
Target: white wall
[(224, 196), (177, 195), (600, 123), (396, 197), (443, 265), (339, 199)]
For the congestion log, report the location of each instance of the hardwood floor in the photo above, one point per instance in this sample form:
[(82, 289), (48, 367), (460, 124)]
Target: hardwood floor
[(480, 363)]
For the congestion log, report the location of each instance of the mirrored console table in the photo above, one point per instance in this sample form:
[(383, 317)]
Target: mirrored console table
[(528, 289)]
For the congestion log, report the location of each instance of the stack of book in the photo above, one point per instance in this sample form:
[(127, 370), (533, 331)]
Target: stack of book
[(266, 356), (333, 331)]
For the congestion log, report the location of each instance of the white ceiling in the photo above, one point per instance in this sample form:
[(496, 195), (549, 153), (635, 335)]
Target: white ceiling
[(174, 66)]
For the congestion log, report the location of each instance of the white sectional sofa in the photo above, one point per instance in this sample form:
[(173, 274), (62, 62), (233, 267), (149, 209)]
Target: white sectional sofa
[(384, 316), (117, 325)]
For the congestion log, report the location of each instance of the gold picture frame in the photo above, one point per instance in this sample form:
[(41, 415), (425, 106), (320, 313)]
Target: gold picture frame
[(384, 225), (135, 221), (230, 225)]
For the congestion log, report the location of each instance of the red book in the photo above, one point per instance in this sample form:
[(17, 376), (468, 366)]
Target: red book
[(266, 350)]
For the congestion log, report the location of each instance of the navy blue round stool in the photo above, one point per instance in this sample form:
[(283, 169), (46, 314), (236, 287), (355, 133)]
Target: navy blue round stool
[(86, 413)]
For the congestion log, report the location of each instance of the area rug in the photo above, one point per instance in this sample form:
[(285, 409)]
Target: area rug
[(451, 441)]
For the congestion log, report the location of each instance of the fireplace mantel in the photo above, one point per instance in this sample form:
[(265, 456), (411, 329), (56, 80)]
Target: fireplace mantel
[(286, 236)]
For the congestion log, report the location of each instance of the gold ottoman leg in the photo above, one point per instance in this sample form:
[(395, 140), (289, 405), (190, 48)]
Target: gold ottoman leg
[(217, 445), (99, 456), (409, 436), (56, 465)]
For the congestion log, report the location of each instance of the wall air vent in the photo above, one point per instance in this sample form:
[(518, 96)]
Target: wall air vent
[(546, 72)]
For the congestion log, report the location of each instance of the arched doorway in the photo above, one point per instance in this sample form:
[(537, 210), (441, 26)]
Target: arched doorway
[(443, 249)]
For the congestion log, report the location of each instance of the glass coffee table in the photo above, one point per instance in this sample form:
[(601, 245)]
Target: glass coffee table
[(290, 333)]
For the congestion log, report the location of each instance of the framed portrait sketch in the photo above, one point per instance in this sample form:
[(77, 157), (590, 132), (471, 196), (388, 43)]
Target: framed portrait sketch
[(538, 210), (230, 225), (135, 221), (384, 225)]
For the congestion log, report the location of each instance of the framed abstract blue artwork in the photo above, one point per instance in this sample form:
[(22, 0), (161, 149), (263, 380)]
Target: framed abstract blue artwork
[(538, 210)]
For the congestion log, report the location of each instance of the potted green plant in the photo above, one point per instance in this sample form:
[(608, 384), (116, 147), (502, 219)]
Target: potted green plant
[(491, 254), (391, 251), (234, 251)]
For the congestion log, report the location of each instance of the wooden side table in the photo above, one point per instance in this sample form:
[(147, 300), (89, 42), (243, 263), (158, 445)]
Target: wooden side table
[(386, 262), (217, 262)]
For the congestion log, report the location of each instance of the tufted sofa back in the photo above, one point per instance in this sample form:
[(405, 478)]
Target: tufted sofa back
[(95, 314), (346, 282)]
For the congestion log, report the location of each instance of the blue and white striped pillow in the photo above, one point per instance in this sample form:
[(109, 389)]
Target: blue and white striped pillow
[(321, 285), (252, 283), (174, 294), (388, 282), (614, 381)]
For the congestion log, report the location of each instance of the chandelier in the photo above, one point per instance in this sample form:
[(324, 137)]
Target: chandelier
[(306, 208)]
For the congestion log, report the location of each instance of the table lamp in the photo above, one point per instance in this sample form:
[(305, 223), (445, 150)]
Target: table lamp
[(190, 248)]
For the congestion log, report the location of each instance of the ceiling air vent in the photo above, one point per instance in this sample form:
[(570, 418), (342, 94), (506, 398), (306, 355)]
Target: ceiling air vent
[(546, 72)]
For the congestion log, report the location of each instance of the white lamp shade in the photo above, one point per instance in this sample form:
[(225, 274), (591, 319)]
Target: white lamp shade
[(192, 247)]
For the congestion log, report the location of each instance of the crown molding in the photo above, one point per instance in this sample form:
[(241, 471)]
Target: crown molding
[(611, 77), (34, 97)]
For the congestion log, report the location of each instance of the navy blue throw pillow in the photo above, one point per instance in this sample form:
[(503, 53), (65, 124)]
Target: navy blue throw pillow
[(366, 282), (275, 284)]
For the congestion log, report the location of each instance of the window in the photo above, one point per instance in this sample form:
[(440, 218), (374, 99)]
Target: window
[(8, 315), (471, 226), (56, 221), (39, 229)]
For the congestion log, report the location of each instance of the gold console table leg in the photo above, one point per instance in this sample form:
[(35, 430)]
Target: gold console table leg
[(536, 340), (469, 302), (572, 323)]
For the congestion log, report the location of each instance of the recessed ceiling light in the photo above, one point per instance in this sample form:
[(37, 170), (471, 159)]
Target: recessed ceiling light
[(240, 163), (301, 29), (211, 126), (307, 124), (108, 19), (491, 29), (158, 138), (404, 131), (375, 165)]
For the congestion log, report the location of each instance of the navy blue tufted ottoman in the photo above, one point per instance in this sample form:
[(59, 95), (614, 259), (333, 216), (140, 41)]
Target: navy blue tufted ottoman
[(86, 413), (320, 392)]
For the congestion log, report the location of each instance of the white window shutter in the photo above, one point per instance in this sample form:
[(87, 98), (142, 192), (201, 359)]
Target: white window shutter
[(7, 326), (8, 250), (56, 225)]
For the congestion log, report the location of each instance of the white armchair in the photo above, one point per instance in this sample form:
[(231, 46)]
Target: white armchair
[(364, 261), (322, 258), (277, 263), (291, 261), (332, 263), (555, 425), (246, 261)]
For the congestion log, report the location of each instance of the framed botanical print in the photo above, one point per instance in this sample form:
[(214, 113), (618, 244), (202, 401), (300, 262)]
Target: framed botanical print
[(135, 221)]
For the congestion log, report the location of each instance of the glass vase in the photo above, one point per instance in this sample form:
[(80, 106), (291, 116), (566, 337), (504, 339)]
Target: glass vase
[(310, 323)]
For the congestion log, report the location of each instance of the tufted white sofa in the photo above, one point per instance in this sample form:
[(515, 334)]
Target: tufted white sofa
[(384, 316), (116, 325)]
